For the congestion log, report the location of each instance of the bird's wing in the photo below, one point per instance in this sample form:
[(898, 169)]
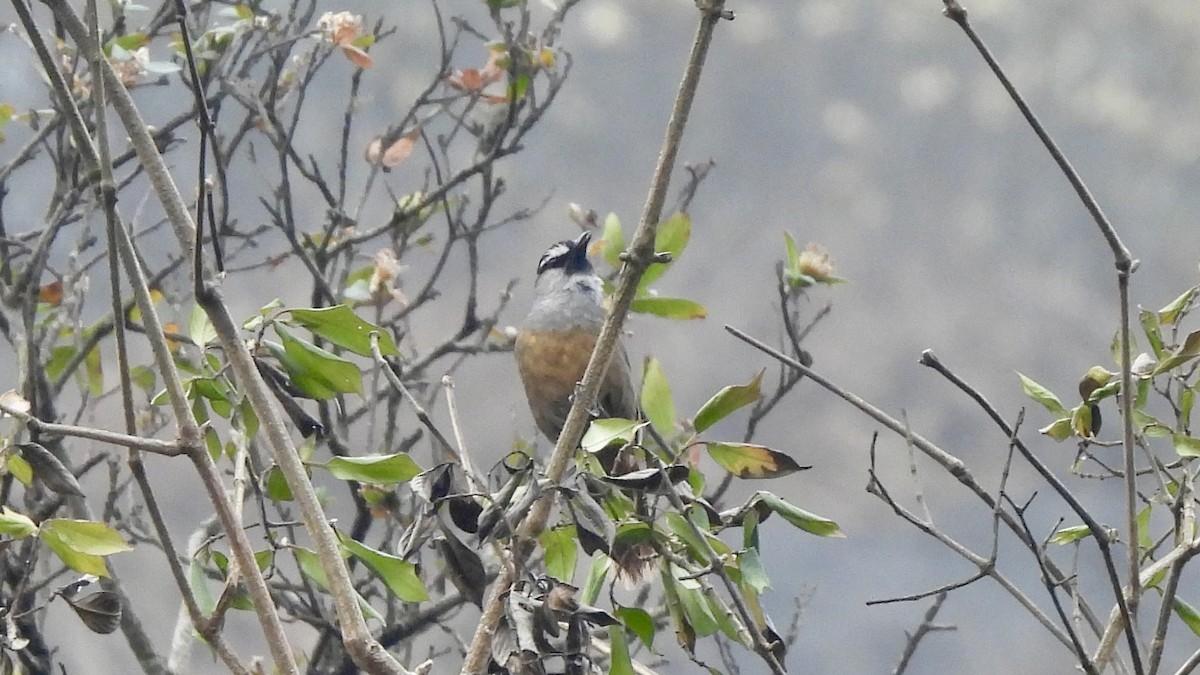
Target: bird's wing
[(618, 398)]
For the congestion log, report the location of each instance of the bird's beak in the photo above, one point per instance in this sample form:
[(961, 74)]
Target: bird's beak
[(582, 241)]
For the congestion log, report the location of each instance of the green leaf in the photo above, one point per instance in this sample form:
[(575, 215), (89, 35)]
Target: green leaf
[(20, 469), (797, 516), (1150, 327), (1188, 613), (680, 528), (747, 460), (793, 254), (130, 42), (1187, 351), (1081, 421), (1059, 429), (639, 622), (80, 562), (1150, 426), (669, 308), (1186, 446), (1098, 383), (1067, 535), (94, 369), (698, 612), (517, 87), (213, 390), (1157, 578), (1145, 537), (1043, 396), (1171, 313), (249, 418), (60, 356), (277, 487), (657, 401), (672, 237), (614, 241), (254, 323), (198, 584), (143, 377), (1116, 348), (601, 565), (1143, 389), (750, 529), (753, 572), (400, 576), (317, 372), (377, 469), (82, 544), (561, 551), (605, 432), (16, 525), (200, 329), (726, 401), (684, 632), (358, 288), (310, 566), (341, 326), (87, 536), (619, 661)]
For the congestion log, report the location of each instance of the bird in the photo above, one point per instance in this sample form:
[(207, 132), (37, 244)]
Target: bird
[(552, 350), (555, 342)]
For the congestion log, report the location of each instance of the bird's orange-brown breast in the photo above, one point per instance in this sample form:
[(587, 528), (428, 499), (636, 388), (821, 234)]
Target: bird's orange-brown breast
[(551, 363)]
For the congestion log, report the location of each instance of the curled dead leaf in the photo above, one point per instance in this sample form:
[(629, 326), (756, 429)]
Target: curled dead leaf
[(395, 153), (358, 57), (51, 293)]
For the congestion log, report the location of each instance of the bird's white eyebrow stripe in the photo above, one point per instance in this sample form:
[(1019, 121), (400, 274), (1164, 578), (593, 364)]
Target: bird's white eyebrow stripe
[(556, 251)]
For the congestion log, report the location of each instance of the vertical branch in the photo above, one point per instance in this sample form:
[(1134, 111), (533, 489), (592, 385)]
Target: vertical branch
[(204, 121), (1125, 265), (107, 193)]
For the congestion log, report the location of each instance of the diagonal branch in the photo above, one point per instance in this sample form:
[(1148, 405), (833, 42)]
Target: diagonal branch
[(637, 259)]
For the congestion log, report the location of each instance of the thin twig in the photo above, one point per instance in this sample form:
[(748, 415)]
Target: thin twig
[(927, 626), (1099, 533), (951, 464), (154, 445)]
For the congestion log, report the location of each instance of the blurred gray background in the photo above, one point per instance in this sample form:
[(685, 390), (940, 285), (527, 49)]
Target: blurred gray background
[(873, 128)]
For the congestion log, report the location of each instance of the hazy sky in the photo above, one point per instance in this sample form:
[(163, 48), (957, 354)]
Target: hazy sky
[(873, 128)]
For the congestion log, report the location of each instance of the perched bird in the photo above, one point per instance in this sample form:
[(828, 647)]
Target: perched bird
[(556, 342), (553, 349)]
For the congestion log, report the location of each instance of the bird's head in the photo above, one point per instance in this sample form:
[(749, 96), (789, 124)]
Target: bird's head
[(567, 289), (570, 256)]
